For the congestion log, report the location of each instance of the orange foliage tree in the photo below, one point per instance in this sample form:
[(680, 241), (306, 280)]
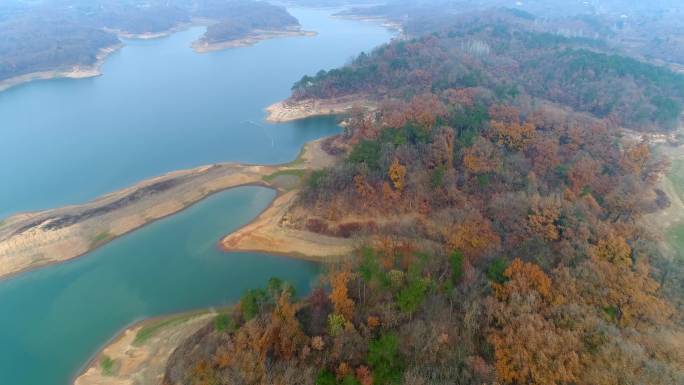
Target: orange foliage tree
[(425, 109), (340, 293), (528, 347), (481, 157), (544, 213), (397, 173), (507, 129), (283, 336), (474, 237)]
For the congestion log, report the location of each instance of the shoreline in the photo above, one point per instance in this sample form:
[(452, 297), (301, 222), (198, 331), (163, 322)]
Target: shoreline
[(266, 234), (76, 72), (195, 22), (147, 359), (199, 46), (202, 46), (33, 240), (290, 110), (389, 24)]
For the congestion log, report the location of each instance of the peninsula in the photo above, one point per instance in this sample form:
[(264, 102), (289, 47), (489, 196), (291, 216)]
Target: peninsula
[(32, 240)]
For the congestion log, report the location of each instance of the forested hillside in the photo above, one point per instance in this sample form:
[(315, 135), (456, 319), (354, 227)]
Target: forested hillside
[(503, 55), (247, 17), (499, 234), (60, 34)]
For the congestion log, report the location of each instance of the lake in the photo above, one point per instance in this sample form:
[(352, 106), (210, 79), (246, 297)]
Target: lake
[(53, 319), (161, 107), (158, 107)]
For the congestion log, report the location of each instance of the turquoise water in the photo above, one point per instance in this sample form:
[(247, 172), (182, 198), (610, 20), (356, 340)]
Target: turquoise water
[(158, 107), (53, 319), (161, 107)]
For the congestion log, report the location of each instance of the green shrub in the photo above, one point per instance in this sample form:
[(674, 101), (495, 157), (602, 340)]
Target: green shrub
[(223, 322), (349, 380), (367, 152), (410, 297), (317, 179), (456, 261), (437, 179), (251, 303), (496, 270), (325, 378), (335, 324), (383, 356), (277, 286)]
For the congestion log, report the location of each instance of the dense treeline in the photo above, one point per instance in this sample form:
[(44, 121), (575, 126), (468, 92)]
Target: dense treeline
[(511, 59), (61, 34), (501, 233), (650, 29), (503, 247), (55, 45), (246, 17)]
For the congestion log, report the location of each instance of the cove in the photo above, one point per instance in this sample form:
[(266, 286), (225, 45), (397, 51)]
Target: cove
[(159, 107), (53, 319)]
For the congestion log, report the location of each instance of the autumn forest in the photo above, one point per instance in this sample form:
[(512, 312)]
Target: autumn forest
[(495, 177)]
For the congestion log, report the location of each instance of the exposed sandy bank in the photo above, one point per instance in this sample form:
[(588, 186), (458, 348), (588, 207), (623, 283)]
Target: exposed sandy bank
[(157, 35), (386, 23), (125, 361), (270, 232), (289, 110), (75, 72), (31, 240), (203, 46)]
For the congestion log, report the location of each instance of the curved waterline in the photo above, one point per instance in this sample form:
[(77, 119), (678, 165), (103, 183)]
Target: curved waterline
[(159, 107), (55, 318)]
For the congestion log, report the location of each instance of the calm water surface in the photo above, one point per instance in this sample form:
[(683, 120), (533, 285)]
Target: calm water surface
[(161, 107), (158, 107), (52, 320)]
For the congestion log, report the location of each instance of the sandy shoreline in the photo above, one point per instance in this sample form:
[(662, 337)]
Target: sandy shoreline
[(135, 361), (290, 110), (270, 231), (199, 46), (75, 72), (33, 240), (202, 46)]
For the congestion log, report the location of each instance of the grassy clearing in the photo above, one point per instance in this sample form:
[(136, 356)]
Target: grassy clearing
[(150, 330), (107, 366), (299, 159), (675, 237), (677, 176), (298, 173), (101, 239)]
